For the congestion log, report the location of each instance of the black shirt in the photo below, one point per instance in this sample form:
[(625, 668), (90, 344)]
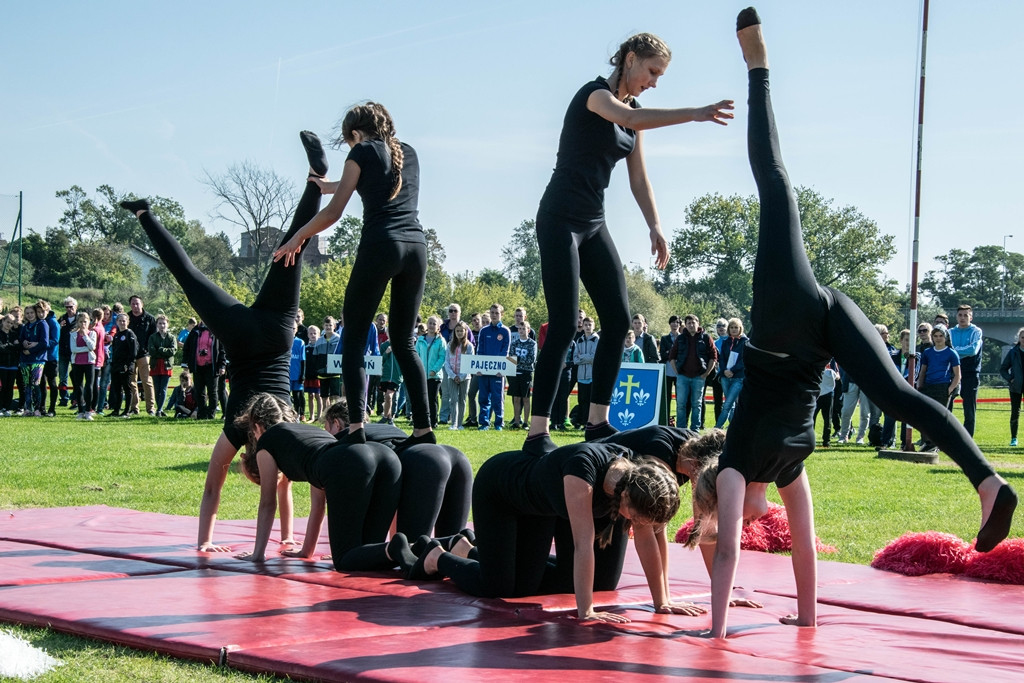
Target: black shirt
[(387, 219), (657, 441), (143, 326), (588, 149), (295, 448)]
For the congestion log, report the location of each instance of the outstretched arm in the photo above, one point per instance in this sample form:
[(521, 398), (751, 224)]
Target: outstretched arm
[(653, 556), (287, 507), (268, 507), (327, 216), (707, 552), (579, 503), (216, 474), (731, 488), (800, 513), (640, 185), (604, 104)]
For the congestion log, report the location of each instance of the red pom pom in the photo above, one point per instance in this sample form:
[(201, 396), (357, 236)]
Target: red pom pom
[(683, 534), (1004, 563), (768, 534), (929, 552)]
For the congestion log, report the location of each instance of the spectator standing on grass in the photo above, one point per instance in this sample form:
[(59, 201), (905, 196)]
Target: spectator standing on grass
[(102, 345), (695, 357), (328, 344), (17, 321), (714, 381), (495, 340), (476, 322), (312, 381), (110, 314), (523, 352), (10, 349), (50, 366), (586, 349), (826, 390), (668, 342), (1012, 370), (204, 356), (83, 363), (300, 328), (162, 346), (65, 322), (143, 325), (456, 373), (34, 336), (183, 333), (296, 374), (645, 341), (124, 350), (390, 381), (631, 353), (939, 378), (732, 370), (966, 340), (430, 347)]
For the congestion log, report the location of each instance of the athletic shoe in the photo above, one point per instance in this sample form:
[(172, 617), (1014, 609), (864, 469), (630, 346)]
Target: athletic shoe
[(87, 416), (482, 428), (471, 422), (1013, 441), (498, 428), (860, 442)]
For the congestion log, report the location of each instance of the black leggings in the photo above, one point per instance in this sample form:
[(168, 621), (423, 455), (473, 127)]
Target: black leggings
[(83, 379), (257, 338), (8, 380), (792, 314), (570, 252), (363, 483), (120, 389), (404, 265), (1015, 400), (437, 487)]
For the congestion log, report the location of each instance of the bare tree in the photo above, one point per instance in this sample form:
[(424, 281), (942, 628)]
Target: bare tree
[(261, 203)]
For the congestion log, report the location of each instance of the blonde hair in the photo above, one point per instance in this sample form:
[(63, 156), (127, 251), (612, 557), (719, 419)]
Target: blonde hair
[(652, 492), (705, 505), (696, 452), (265, 410)]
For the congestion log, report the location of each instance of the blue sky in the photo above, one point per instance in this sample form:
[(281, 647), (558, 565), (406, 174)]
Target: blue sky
[(148, 97)]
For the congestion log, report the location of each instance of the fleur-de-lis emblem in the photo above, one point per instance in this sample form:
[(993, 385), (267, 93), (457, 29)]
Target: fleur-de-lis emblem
[(617, 396), (641, 396), (625, 417)]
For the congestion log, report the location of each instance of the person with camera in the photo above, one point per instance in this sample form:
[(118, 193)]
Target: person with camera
[(204, 356)]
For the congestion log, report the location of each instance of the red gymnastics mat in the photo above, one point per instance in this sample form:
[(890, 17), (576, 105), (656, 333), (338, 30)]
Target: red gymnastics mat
[(134, 578)]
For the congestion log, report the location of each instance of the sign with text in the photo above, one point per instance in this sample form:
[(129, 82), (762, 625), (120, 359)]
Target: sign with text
[(636, 397), (488, 365), (373, 365)]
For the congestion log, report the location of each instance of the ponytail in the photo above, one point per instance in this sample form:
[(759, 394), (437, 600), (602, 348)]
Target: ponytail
[(374, 121)]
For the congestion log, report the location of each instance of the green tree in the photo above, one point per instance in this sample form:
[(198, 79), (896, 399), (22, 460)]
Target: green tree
[(344, 239), (713, 257), (523, 257), (976, 278)]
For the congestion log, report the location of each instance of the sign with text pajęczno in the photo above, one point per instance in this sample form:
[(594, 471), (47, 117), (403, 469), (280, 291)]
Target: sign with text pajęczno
[(489, 365), (373, 365), (636, 397)]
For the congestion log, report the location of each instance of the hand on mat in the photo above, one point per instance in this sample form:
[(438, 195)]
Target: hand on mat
[(745, 602), (296, 552), (211, 548), (792, 620), (250, 557), (608, 617), (687, 608), (289, 541), (289, 251)]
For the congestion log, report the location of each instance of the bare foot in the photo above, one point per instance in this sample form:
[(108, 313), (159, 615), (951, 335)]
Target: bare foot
[(755, 53)]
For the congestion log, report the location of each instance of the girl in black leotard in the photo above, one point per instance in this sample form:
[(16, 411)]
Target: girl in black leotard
[(256, 338), (359, 484), (392, 248), (518, 500), (437, 479), (797, 326), (603, 124)]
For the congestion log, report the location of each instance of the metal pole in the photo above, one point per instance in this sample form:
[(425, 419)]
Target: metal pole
[(908, 434)]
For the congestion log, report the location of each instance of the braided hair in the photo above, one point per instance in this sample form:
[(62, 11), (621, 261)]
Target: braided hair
[(374, 121), (705, 504), (652, 492), (644, 46), (265, 410)]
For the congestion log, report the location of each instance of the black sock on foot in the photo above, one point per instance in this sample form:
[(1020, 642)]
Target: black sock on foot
[(469, 535), (135, 205), (427, 437), (314, 152), (998, 525), (400, 553), (539, 444), (599, 431), (358, 436), (747, 17), (418, 571)]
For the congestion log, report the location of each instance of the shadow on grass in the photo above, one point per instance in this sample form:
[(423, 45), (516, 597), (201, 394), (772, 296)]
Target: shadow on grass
[(199, 466), (1006, 474)]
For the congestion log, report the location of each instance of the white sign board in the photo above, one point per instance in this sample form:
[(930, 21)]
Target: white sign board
[(487, 365), (373, 365)]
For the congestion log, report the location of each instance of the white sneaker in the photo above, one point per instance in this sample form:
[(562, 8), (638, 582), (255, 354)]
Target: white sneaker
[(860, 441)]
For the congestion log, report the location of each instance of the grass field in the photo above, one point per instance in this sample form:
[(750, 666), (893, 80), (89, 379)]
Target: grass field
[(861, 501)]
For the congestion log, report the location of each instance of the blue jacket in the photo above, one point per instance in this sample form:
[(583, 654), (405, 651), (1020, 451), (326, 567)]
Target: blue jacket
[(729, 345), (54, 339), (493, 340), (295, 369), (432, 354), (38, 332)]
